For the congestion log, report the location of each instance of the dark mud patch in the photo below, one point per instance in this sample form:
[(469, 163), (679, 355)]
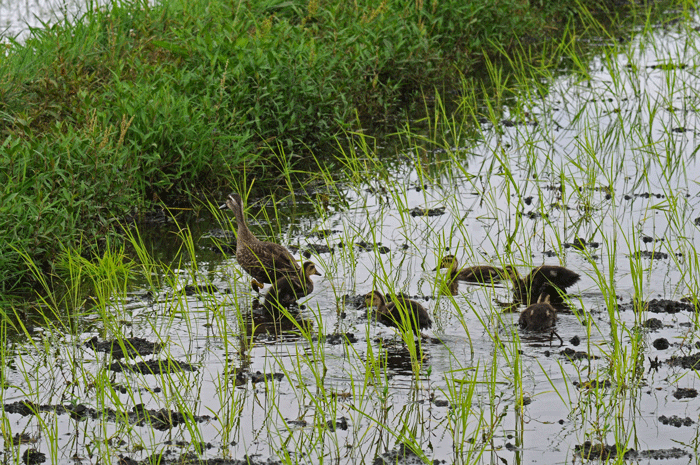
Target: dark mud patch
[(339, 423), (33, 457), (572, 354), (668, 306), (676, 421), (315, 249), (593, 384), (21, 438), (353, 301), (139, 415), (590, 451), (653, 324), (364, 246), (312, 249), (661, 343), (199, 289), (242, 377), (663, 306), (533, 215), (161, 419), (689, 362), (153, 367), (323, 233), (580, 244), (651, 255), (427, 211), (131, 347), (403, 454), (169, 458), (340, 338), (685, 393)]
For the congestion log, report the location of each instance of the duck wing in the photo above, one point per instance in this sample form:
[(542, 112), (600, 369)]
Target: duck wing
[(268, 262)]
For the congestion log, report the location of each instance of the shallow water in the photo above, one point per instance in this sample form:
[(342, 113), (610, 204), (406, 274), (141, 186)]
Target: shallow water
[(608, 157), (17, 17)]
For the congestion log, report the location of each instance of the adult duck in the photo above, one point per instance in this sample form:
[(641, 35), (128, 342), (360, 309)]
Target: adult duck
[(265, 261)]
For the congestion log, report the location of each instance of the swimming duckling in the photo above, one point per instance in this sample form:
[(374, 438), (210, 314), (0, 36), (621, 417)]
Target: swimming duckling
[(265, 261), (395, 315), (287, 290), (549, 280), (540, 316), (484, 274)]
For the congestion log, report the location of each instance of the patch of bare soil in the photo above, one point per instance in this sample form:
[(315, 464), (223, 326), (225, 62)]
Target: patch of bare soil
[(161, 419), (131, 347), (590, 451), (153, 367), (685, 361)]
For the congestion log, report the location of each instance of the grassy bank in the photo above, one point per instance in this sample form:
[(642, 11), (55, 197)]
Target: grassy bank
[(105, 115)]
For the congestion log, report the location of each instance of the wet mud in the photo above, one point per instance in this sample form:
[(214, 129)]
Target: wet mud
[(130, 347), (153, 367), (590, 451), (161, 419)]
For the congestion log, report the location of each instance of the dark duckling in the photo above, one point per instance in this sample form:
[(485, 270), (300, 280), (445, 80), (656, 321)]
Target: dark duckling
[(265, 261), (540, 316), (287, 290), (484, 274), (549, 280), (391, 314)]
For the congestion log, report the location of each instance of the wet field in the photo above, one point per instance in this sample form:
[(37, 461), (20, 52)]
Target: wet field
[(594, 169)]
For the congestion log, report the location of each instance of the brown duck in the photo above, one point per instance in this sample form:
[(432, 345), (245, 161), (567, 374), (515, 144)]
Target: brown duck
[(288, 289), (265, 261), (545, 280), (484, 274), (396, 315)]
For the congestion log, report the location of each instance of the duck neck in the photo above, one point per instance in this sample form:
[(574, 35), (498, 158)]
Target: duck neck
[(244, 234)]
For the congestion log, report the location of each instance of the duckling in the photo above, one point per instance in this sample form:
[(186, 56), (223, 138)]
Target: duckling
[(475, 274), (394, 315), (287, 290), (547, 280), (265, 261), (540, 316)]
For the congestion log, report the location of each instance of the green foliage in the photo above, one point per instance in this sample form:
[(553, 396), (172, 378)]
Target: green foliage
[(126, 105)]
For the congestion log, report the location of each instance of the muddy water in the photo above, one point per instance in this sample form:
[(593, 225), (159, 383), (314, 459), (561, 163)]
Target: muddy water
[(608, 157)]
